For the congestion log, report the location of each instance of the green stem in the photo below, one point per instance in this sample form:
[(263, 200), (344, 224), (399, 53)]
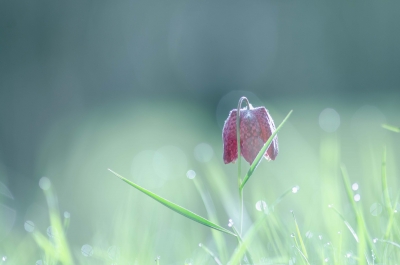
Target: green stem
[(239, 157)]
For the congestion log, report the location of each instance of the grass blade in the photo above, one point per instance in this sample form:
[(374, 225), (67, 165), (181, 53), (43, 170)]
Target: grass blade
[(215, 258), (179, 209), (262, 151), (391, 128), (346, 223), (385, 189), (303, 248)]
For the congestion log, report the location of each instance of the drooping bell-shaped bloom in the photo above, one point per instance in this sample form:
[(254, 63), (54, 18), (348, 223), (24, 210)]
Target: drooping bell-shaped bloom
[(256, 126)]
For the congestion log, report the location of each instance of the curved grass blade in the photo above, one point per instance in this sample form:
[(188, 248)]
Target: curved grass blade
[(391, 128), (215, 258), (179, 209), (389, 242), (346, 223), (303, 247), (262, 152)]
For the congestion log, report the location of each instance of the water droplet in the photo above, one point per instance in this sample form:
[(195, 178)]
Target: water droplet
[(4, 258), (357, 197), (291, 235), (39, 262), (113, 252), (203, 152), (157, 258), (375, 209), (326, 259), (67, 215), (354, 186), (29, 226), (191, 174), (261, 206), (295, 189), (309, 234), (44, 183), (87, 250), (51, 232), (188, 262), (320, 237), (329, 120), (200, 245), (375, 240)]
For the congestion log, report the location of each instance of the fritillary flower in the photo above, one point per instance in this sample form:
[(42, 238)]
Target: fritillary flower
[(256, 126)]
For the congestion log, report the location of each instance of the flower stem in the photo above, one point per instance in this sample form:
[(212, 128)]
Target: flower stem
[(239, 157)]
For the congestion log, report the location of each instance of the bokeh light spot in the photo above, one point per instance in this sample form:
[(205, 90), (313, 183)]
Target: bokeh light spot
[(354, 186), (44, 183), (203, 152), (87, 250), (329, 120), (357, 197)]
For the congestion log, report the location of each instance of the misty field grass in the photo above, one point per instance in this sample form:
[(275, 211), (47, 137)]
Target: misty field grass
[(341, 221)]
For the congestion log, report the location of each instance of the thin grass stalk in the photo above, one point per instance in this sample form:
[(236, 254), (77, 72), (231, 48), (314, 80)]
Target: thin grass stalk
[(239, 157)]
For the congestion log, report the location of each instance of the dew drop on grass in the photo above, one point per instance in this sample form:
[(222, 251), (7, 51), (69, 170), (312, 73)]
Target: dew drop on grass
[(51, 232), (357, 197), (4, 258), (87, 250), (375, 209), (375, 240), (67, 215), (320, 237), (326, 259), (295, 189), (29, 226), (354, 186), (191, 174), (309, 234), (291, 235), (261, 206), (44, 183), (230, 223), (200, 245)]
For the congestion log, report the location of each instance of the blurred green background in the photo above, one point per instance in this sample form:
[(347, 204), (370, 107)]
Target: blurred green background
[(143, 88)]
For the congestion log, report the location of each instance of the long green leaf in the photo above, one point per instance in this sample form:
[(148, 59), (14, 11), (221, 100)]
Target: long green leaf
[(262, 151), (391, 128), (179, 209)]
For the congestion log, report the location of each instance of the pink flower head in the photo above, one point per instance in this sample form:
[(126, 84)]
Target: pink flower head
[(256, 126)]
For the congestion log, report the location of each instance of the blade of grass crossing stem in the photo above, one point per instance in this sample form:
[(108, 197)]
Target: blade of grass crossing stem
[(262, 151), (242, 249), (175, 207), (215, 258), (385, 189), (391, 219), (391, 128), (303, 248)]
